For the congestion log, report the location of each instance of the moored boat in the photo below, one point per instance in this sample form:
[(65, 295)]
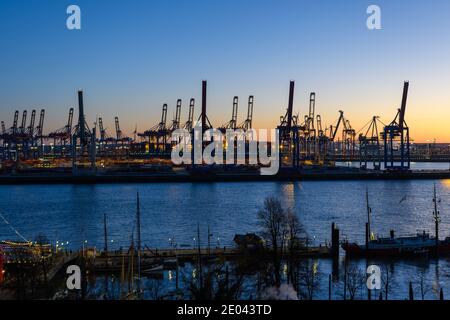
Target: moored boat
[(392, 246)]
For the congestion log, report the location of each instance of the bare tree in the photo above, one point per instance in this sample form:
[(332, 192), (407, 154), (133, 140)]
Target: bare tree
[(309, 279), (272, 220), (154, 288), (422, 283), (44, 255), (294, 230), (355, 280), (218, 284), (387, 281)]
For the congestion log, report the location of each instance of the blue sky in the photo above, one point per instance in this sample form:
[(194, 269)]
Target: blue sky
[(132, 56)]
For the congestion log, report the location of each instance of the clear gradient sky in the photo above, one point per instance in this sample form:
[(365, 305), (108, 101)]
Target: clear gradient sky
[(132, 56)]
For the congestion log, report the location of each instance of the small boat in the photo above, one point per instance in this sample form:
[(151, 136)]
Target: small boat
[(170, 264), (418, 244), (155, 269)]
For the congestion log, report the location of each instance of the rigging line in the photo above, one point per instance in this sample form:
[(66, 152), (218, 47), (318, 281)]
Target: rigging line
[(13, 229), (364, 127)]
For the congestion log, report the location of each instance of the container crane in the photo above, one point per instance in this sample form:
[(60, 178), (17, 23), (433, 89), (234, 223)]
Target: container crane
[(322, 139), (15, 121), (157, 135), (22, 127), (232, 124), (101, 130), (203, 118), (83, 137), (396, 138), (30, 130), (63, 135), (247, 124), (369, 145), (118, 130), (288, 129), (177, 118), (308, 129), (40, 130), (348, 140), (189, 123)]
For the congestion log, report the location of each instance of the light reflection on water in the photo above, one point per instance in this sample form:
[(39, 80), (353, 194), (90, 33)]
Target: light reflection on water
[(74, 213), (435, 275)]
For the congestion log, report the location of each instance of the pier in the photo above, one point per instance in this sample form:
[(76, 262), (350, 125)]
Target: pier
[(284, 175)]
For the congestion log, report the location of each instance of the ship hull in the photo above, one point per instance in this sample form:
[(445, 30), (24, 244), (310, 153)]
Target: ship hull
[(355, 250)]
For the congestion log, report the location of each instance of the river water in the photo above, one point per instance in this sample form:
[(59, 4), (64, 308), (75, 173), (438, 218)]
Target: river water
[(170, 213)]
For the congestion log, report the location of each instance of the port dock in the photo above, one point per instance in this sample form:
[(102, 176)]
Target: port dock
[(288, 175)]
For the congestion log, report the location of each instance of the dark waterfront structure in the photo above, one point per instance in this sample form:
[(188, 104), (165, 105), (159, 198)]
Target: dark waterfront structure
[(396, 139), (303, 144)]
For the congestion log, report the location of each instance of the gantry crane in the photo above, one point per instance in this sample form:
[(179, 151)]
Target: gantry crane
[(369, 145), (177, 117), (322, 140), (396, 138), (63, 136), (190, 121), (247, 124), (84, 138), (157, 135), (309, 133), (232, 124), (289, 138), (348, 140)]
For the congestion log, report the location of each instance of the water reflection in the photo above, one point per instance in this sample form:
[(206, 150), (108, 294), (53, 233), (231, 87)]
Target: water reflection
[(74, 213)]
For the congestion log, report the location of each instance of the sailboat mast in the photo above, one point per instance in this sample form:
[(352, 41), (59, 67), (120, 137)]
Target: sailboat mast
[(106, 237), (368, 219), (200, 271), (436, 218), (138, 222)]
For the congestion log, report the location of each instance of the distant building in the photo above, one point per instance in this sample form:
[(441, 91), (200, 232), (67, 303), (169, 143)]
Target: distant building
[(249, 241)]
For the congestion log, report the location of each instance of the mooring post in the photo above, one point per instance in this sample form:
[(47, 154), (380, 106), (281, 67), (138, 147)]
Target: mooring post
[(329, 286), (411, 292), (334, 240)]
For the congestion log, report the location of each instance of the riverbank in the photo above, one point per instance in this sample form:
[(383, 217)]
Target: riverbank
[(283, 175)]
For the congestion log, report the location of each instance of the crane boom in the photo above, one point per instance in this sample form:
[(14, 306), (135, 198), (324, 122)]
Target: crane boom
[(24, 122), (319, 125), (191, 112), (16, 119), (176, 120), (312, 105), (40, 128), (118, 131), (250, 112), (403, 106), (31, 126), (162, 124), (341, 117), (190, 120), (69, 122), (290, 105), (102, 130), (234, 113)]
